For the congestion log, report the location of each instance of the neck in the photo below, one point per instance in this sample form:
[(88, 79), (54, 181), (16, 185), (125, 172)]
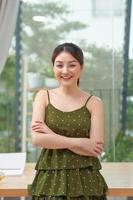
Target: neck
[(69, 90)]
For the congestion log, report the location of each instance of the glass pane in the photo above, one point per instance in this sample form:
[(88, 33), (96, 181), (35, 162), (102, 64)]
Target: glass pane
[(98, 28)]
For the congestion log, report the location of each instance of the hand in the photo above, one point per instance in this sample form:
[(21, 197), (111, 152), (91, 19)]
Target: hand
[(39, 126), (89, 146)]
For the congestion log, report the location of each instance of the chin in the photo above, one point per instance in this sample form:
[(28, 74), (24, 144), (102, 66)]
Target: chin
[(67, 84)]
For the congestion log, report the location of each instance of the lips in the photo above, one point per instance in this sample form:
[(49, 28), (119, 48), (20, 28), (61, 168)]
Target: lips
[(66, 77)]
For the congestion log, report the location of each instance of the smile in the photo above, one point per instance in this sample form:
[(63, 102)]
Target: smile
[(66, 77)]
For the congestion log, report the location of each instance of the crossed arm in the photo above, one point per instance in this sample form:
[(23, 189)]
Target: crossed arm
[(43, 136)]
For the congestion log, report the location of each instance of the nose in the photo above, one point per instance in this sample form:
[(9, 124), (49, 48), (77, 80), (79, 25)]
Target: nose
[(65, 69)]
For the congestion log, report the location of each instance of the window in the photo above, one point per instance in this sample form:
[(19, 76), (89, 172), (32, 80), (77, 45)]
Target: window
[(104, 8)]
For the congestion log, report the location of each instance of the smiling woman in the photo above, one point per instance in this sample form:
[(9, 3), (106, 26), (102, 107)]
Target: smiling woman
[(66, 69), (68, 123), (68, 58)]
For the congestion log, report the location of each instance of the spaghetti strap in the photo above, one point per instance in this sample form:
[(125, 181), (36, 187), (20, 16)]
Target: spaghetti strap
[(88, 99), (48, 96)]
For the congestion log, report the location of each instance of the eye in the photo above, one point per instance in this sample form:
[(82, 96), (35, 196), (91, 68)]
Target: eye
[(72, 66), (59, 66)]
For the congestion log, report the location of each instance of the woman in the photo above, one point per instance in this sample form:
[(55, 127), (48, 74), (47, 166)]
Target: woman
[(68, 124)]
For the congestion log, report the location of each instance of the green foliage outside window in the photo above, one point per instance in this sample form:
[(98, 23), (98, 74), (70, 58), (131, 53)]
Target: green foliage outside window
[(123, 149), (7, 100)]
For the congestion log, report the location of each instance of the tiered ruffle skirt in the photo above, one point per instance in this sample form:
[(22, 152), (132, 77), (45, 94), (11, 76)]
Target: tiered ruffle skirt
[(63, 175)]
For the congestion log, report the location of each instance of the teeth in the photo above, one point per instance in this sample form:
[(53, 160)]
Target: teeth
[(66, 76)]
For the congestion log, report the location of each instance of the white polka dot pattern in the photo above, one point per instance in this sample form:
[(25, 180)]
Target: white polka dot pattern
[(62, 174)]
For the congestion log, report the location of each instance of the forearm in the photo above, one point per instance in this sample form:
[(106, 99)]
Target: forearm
[(43, 136), (87, 147), (52, 141), (80, 151)]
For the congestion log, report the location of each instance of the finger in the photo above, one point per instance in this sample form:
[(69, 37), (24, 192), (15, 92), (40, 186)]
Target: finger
[(99, 147), (37, 126), (99, 150), (96, 154), (101, 143), (38, 130), (32, 127), (39, 121)]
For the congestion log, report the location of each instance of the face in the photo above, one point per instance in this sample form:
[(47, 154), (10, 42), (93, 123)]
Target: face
[(67, 69)]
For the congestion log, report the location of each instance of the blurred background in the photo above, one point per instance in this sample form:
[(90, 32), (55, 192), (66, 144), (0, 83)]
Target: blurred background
[(104, 30)]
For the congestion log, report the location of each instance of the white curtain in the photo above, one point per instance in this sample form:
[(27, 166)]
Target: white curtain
[(8, 15)]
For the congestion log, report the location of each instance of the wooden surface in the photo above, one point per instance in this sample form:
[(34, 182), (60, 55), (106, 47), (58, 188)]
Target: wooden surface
[(119, 177)]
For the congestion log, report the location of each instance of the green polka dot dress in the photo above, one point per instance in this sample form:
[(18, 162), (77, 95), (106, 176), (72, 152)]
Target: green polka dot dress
[(62, 174)]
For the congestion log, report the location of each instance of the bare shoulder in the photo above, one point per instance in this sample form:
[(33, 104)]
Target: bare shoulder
[(95, 103), (41, 93), (96, 100), (41, 96)]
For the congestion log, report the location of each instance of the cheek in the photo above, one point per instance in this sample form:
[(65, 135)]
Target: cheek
[(78, 72), (56, 73)]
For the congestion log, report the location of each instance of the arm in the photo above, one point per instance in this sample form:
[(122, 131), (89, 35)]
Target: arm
[(97, 120), (50, 139), (94, 146)]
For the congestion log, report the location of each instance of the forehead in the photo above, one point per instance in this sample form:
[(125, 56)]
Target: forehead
[(65, 57)]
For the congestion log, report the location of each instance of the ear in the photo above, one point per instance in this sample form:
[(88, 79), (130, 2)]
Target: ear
[(82, 67)]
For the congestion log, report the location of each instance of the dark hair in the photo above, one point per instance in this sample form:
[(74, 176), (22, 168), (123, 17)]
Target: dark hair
[(71, 48)]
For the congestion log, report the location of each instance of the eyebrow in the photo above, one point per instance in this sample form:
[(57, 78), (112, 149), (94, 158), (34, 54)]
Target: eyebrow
[(68, 62)]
